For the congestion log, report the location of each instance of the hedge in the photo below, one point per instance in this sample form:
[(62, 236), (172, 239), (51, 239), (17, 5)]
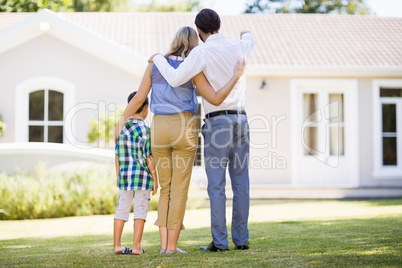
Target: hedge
[(81, 192)]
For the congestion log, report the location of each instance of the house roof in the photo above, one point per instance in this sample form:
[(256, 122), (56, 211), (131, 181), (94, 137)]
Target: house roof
[(284, 42), (25, 27)]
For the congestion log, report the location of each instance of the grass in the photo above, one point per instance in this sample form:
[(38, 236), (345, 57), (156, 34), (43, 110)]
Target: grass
[(282, 234)]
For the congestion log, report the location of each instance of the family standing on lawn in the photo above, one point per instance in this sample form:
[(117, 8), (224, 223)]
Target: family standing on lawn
[(216, 68)]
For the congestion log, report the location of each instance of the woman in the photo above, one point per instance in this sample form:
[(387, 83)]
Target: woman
[(174, 132)]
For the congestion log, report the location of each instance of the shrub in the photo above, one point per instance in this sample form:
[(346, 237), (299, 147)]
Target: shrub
[(103, 127), (2, 126), (81, 192)]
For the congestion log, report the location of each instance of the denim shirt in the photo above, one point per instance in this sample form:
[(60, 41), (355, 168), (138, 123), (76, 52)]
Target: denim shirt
[(166, 99)]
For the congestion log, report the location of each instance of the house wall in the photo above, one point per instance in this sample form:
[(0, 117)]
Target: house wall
[(268, 111), (269, 116), (95, 81), (101, 84)]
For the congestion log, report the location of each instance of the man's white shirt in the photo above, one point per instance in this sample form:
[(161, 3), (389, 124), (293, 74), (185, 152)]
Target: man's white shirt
[(217, 58)]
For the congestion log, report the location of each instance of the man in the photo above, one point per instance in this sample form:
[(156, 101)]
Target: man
[(226, 134)]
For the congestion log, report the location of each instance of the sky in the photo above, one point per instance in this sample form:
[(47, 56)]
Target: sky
[(382, 8), (386, 8)]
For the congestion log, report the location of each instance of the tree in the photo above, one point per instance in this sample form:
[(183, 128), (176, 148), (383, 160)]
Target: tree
[(102, 5), (2, 126), (178, 6), (102, 129), (35, 5), (97, 5), (308, 6), (64, 5)]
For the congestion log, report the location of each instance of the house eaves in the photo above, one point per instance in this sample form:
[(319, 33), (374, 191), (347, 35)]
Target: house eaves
[(51, 23), (287, 45), (323, 71)]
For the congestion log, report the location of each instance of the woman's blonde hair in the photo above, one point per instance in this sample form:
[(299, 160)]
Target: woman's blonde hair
[(185, 40)]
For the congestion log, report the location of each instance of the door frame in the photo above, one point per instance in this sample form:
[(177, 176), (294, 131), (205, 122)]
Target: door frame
[(351, 109), (380, 171)]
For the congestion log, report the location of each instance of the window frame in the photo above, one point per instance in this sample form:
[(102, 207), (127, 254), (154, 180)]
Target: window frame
[(200, 136), (23, 89), (46, 123), (322, 99)]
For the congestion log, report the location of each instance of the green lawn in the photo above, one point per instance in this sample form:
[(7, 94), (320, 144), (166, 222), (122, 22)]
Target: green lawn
[(287, 234)]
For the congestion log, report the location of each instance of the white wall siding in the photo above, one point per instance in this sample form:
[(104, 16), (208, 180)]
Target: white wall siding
[(97, 82), (268, 111)]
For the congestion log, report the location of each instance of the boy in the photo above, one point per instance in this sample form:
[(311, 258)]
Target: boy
[(136, 177)]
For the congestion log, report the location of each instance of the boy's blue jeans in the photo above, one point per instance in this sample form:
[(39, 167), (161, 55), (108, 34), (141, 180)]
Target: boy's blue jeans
[(226, 144)]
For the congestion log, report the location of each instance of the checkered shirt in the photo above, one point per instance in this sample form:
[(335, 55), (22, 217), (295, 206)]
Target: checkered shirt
[(132, 148)]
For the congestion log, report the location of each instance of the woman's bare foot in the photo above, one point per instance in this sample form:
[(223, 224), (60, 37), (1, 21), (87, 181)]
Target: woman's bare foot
[(175, 251), (136, 251), (180, 251), (122, 250)]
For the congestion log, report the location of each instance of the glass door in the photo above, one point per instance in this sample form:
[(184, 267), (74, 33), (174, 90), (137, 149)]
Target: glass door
[(391, 133)]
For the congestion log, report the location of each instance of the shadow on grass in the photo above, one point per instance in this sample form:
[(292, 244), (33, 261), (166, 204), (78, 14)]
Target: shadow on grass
[(386, 203), (361, 242)]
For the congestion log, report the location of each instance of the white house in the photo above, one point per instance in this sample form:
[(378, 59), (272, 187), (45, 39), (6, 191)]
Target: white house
[(324, 92)]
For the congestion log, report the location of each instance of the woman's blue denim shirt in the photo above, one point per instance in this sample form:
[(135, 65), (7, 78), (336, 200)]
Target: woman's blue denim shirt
[(166, 99)]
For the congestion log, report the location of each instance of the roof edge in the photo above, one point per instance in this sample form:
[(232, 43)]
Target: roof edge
[(322, 71), (76, 36)]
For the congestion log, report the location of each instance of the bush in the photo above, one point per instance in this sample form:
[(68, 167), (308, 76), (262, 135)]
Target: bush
[(103, 127), (2, 126), (82, 192)]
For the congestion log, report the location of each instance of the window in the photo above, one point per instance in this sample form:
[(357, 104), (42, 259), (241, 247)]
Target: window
[(336, 127), (391, 107), (200, 114), (310, 131), (45, 116), (198, 154), (391, 92), (323, 134), (41, 105)]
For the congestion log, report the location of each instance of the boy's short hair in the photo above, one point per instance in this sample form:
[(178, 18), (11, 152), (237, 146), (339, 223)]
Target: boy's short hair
[(142, 106), (208, 21)]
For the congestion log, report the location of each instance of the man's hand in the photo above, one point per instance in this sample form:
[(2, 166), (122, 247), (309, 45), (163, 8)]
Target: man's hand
[(240, 68), (152, 57), (243, 32)]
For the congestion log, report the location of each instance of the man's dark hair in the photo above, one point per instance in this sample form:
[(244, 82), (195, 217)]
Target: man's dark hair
[(142, 106), (208, 21)]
